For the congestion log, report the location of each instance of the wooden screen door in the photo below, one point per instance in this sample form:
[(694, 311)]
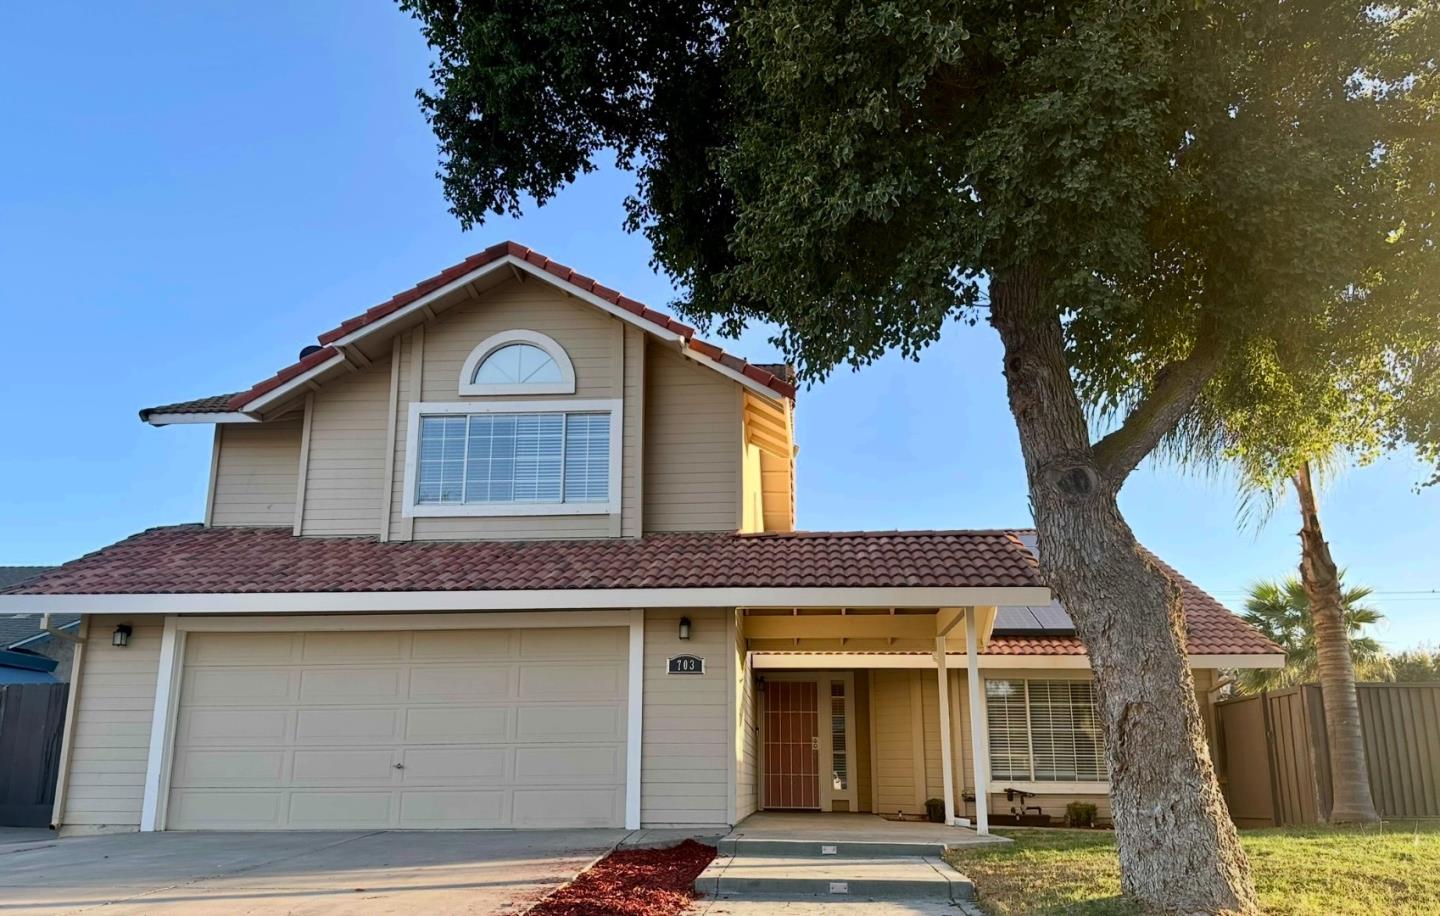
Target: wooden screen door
[(792, 744)]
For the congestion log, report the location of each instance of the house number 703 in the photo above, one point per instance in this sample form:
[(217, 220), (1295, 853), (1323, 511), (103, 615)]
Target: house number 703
[(685, 664)]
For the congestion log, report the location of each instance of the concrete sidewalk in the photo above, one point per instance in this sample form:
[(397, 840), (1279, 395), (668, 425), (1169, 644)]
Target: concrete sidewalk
[(463, 871)]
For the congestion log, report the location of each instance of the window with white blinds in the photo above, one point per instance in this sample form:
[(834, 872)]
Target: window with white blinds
[(1044, 731), (513, 458)]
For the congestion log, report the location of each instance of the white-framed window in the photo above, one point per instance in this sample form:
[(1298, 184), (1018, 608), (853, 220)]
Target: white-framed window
[(513, 458), (517, 362), (1045, 731)]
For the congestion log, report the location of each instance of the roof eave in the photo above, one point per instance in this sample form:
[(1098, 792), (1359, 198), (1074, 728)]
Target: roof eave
[(520, 599), (382, 325)]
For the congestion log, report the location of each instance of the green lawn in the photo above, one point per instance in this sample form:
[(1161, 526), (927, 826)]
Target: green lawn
[(1298, 871)]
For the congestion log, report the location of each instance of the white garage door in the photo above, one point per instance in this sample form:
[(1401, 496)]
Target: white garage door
[(425, 728)]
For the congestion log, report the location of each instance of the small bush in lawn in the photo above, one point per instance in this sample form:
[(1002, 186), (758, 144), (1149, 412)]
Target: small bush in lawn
[(1080, 814)]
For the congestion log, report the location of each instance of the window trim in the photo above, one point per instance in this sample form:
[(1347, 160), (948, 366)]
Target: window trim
[(412, 509), (469, 387)]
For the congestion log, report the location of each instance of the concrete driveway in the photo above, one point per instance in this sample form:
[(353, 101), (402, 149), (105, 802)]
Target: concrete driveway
[(461, 871)]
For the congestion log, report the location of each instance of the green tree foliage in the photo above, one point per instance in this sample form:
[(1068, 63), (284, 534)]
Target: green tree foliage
[(1281, 610), (1410, 665)]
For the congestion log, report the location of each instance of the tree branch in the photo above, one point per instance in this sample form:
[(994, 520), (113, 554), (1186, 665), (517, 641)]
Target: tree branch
[(1176, 387)]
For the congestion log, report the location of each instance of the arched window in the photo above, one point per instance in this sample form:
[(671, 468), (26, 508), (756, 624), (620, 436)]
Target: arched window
[(518, 362)]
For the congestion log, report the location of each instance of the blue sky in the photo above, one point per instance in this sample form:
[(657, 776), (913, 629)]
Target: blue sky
[(189, 192)]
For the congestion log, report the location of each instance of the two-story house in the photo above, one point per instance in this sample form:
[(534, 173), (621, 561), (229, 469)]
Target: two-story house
[(511, 549)]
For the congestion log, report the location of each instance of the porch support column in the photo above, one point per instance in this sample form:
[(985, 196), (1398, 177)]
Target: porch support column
[(947, 759), (979, 742)]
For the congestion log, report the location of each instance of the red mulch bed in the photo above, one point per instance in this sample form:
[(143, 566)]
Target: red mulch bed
[(633, 882)]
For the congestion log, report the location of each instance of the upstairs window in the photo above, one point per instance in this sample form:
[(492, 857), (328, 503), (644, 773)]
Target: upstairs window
[(533, 458), (1044, 731), (517, 362)]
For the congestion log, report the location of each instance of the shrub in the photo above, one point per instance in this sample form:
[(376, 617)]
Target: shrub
[(935, 810), (1080, 814)]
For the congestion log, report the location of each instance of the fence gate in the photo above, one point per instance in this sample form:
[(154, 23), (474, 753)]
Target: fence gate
[(32, 717)]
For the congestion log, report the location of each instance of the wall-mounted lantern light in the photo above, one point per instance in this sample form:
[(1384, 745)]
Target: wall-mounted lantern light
[(684, 627), (122, 635)]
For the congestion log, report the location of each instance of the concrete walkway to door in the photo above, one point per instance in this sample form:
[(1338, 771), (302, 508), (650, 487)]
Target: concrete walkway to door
[(453, 871)]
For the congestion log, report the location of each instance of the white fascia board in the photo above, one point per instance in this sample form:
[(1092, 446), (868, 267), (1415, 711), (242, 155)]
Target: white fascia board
[(514, 600), (811, 660), (297, 383), (764, 391), (176, 419)]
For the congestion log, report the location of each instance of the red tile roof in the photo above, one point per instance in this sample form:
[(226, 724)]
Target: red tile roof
[(215, 403), (198, 560), (1210, 628), (764, 374)]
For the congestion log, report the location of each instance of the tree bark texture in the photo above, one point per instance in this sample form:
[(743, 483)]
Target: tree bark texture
[(1179, 851), (1349, 772)]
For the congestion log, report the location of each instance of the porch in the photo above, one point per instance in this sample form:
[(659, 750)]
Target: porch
[(839, 829)]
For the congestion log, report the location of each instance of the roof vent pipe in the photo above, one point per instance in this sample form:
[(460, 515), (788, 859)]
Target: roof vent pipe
[(306, 351)]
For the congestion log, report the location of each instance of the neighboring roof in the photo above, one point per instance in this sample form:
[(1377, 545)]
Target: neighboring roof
[(1210, 627), (13, 575), (777, 378), (16, 629), (192, 559)]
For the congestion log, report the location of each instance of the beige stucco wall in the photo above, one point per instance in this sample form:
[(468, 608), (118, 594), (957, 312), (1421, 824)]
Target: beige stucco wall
[(110, 736), (688, 733), (693, 455), (256, 468)]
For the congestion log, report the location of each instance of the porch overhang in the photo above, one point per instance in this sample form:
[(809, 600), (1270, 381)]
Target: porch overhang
[(800, 660)]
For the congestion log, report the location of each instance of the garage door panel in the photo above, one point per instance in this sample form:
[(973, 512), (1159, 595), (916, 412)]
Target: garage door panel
[(572, 643), (566, 807), (226, 810), (239, 686), (351, 685), (453, 809), (367, 725), (489, 728), (228, 767), (571, 682), (458, 725), (320, 810), (456, 766), (568, 764), (461, 645), (458, 683), (242, 648), (227, 727), (355, 647), (569, 723), (333, 766)]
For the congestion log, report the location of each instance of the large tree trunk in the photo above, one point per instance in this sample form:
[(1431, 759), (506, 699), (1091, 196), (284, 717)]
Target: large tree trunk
[(1349, 773), (1179, 852)]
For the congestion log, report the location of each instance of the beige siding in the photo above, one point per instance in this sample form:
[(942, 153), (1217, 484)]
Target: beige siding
[(893, 694), (692, 446), (609, 363), (862, 772), (111, 736), (748, 734), (687, 729), (256, 473), (344, 477)]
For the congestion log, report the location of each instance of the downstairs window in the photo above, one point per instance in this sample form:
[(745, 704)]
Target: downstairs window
[(1044, 731)]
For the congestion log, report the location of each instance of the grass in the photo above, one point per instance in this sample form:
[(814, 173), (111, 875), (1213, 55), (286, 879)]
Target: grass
[(1303, 871)]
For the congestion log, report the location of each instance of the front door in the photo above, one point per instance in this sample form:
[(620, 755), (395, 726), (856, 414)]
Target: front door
[(792, 744)]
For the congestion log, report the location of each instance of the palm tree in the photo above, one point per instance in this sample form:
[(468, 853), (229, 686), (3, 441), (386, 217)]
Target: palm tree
[(1281, 610), (1330, 637)]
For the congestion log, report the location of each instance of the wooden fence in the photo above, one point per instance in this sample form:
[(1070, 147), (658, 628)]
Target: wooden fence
[(32, 717), (1274, 761)]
